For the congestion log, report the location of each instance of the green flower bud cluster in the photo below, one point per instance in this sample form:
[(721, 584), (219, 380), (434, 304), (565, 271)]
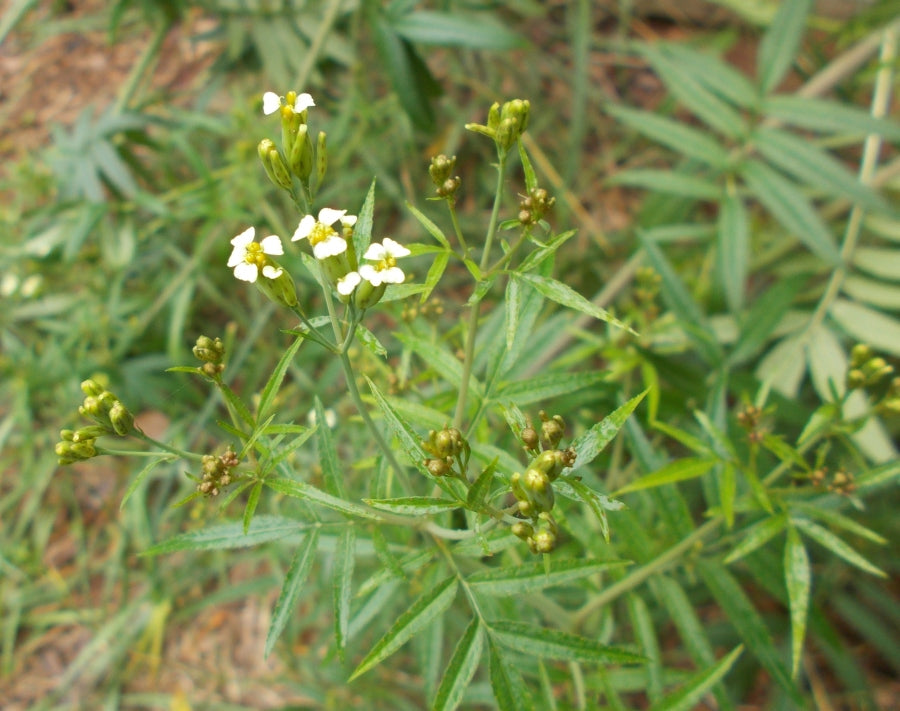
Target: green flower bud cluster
[(534, 489), (869, 372), (841, 482), (109, 415), (217, 472), (750, 418), (440, 171), (211, 352), (534, 206), (298, 157), (447, 448), (431, 310), (505, 124)]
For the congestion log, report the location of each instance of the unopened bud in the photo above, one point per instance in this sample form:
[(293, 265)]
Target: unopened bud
[(321, 159), (552, 429), (301, 156), (91, 387), (121, 419)]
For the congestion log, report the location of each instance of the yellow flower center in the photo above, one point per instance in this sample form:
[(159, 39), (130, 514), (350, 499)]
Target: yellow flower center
[(386, 263), (255, 254), (320, 233)]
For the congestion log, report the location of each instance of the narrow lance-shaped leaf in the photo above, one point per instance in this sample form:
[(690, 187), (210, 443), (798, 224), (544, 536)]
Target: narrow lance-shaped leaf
[(297, 573), (679, 470), (698, 685), (274, 383), (837, 546), (798, 578), (780, 43), (461, 669), (594, 441), (757, 535), (507, 684), (332, 473), (230, 535), (302, 490), (414, 505), (362, 230), (556, 644), (344, 558), (411, 622), (523, 579), (252, 502), (733, 250)]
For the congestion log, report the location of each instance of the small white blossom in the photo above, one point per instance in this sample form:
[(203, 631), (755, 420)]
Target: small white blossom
[(272, 102), (385, 271), (248, 256), (347, 283), (330, 418), (325, 240)]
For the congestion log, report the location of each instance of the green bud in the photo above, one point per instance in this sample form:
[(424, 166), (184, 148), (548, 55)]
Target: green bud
[(209, 350), (529, 437), (121, 419), (437, 467), (537, 487), (859, 355), (552, 429), (82, 450), (290, 122), (523, 530), (366, 296), (553, 461), (89, 433), (336, 266), (302, 155), (494, 116), (321, 159), (91, 387), (274, 164), (544, 541), (281, 289), (855, 379), (440, 169)]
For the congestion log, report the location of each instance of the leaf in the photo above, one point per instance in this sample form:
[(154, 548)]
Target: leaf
[(828, 116), (692, 442), (881, 262), (237, 405), (344, 558), (874, 293), (302, 490), (461, 668), (507, 684), (332, 473), (789, 207), (674, 134), (539, 256), (813, 166), (757, 535), (733, 250), (588, 445), (362, 231), (296, 575), (713, 73), (827, 363), (230, 535), (833, 518), (429, 226), (783, 366), (414, 620), (555, 644), (414, 505), (143, 474), (598, 503), (780, 43), (698, 685), (548, 385), (513, 306), (766, 312), (531, 181), (667, 181), (679, 470), (435, 272), (798, 578), (481, 487), (444, 364), (748, 623), (826, 538), (370, 341), (456, 30), (867, 325), (252, 501), (523, 579)]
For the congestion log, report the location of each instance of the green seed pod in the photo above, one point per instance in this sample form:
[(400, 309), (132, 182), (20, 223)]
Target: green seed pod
[(301, 155), (321, 159)]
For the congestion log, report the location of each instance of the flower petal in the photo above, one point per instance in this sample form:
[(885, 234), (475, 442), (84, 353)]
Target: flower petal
[(347, 283), (375, 252), (244, 238), (393, 275), (271, 102), (246, 272), (395, 249), (272, 245), (237, 256), (348, 220), (272, 272), (304, 228), (328, 215), (330, 247), (370, 274), (303, 102)]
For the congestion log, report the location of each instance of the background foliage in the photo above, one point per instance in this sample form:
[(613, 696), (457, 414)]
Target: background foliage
[(761, 193)]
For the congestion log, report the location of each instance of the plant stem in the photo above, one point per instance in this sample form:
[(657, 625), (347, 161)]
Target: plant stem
[(165, 447), (472, 330)]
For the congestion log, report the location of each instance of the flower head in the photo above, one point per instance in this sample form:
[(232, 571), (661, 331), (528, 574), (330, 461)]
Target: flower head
[(385, 269), (248, 256), (298, 102), (325, 240)]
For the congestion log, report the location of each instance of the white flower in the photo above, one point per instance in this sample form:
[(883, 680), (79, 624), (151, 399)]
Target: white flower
[(386, 270), (325, 240), (248, 256), (272, 102), (347, 283)]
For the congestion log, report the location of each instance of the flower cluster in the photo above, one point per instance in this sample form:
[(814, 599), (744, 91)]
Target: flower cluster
[(109, 415)]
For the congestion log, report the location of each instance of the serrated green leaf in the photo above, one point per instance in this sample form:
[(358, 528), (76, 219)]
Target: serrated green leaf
[(429, 226), (252, 502), (827, 539), (790, 208), (481, 487), (507, 684), (456, 30), (813, 166), (344, 559), (270, 391), (828, 116), (798, 578), (414, 620), (780, 43), (230, 535), (548, 385), (523, 579), (588, 445), (748, 623), (573, 488), (695, 688), (296, 575), (461, 668), (838, 520), (555, 644), (237, 405), (370, 341), (362, 230), (307, 492), (733, 250), (868, 325), (414, 505), (677, 136), (539, 256), (679, 470), (667, 181)]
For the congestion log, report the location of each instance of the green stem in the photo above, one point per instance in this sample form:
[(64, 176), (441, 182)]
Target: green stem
[(165, 447), (472, 328), (454, 218)]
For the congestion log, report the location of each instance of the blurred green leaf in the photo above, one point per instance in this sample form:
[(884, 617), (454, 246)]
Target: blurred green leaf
[(429, 226), (798, 578), (270, 391), (713, 73), (548, 385), (827, 539), (698, 685), (679, 470), (555, 644), (332, 471), (881, 262), (343, 563), (509, 689), (667, 181), (307, 492), (230, 535), (780, 43), (414, 505), (456, 30), (733, 250), (828, 116), (568, 297), (868, 325)]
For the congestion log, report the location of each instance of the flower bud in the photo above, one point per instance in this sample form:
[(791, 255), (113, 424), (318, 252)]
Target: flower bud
[(301, 155), (855, 379), (529, 437), (552, 429), (281, 289), (321, 159), (209, 350), (441, 168), (537, 488), (494, 116), (366, 295), (437, 467), (544, 541), (274, 164), (552, 461), (91, 432), (859, 355), (121, 419), (91, 387), (523, 530)]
